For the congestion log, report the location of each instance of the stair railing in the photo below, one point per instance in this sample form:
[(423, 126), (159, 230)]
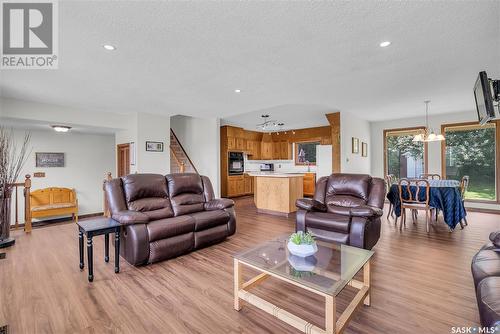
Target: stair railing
[(181, 167)]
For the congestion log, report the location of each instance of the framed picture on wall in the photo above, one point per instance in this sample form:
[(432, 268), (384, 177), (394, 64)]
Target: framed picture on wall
[(154, 146), (49, 159), (355, 145), (364, 149)]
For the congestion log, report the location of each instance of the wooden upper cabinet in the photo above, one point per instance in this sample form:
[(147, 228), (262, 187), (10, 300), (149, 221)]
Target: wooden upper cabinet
[(285, 150), (253, 149), (266, 152), (241, 144), (276, 150), (231, 143)]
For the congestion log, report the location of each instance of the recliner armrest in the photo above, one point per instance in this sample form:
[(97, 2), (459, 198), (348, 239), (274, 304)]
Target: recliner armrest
[(218, 204), (129, 217), (365, 211), (310, 205)]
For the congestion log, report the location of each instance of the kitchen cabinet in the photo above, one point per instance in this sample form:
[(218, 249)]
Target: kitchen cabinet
[(248, 181), (266, 152), (285, 150), (235, 185), (231, 143), (241, 144), (276, 150), (253, 149), (309, 184)]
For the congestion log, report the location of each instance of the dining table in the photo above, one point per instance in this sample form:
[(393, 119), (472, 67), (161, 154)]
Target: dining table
[(444, 195)]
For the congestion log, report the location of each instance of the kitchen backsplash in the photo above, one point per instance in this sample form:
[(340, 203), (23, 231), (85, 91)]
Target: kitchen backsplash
[(279, 166)]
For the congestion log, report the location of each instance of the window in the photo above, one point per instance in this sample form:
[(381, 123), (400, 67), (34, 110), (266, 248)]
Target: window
[(305, 153), (402, 156), (470, 149)]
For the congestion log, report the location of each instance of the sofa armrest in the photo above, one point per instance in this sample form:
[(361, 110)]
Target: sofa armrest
[(310, 205), (218, 204), (365, 211), (129, 217)]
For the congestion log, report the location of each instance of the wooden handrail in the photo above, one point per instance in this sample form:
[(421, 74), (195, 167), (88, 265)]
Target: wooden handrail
[(183, 150), (27, 212), (182, 165)]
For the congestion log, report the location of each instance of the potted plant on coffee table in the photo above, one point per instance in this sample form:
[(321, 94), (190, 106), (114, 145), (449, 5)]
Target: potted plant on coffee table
[(302, 244)]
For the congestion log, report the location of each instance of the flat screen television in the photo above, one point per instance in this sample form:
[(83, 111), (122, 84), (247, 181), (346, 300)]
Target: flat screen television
[(484, 99)]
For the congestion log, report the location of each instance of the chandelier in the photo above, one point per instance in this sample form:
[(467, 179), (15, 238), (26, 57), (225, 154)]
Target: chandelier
[(269, 125), (428, 134)]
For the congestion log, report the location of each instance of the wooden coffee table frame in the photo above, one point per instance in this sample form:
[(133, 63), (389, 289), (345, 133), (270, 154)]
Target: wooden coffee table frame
[(332, 325)]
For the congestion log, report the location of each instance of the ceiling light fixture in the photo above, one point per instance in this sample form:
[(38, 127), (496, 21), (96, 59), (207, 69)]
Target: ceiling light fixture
[(109, 47), (61, 128), (385, 44), (270, 125), (237, 90), (428, 133)]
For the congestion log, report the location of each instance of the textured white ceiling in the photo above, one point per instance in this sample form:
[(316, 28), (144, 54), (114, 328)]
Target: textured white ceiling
[(188, 57)]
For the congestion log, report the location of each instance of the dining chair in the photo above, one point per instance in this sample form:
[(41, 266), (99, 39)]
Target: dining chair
[(389, 180), (430, 176), (464, 186), (414, 202)]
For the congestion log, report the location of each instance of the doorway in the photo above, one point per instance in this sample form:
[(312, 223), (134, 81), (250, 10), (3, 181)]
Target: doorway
[(123, 159)]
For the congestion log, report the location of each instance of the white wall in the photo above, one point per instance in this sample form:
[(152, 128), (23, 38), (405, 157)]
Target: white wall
[(433, 149), (352, 126), (144, 127), (87, 158), (153, 128), (200, 137)]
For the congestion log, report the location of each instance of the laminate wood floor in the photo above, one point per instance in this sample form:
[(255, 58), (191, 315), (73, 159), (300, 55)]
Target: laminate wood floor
[(421, 284)]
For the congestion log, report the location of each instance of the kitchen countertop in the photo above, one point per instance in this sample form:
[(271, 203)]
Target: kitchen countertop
[(275, 174)]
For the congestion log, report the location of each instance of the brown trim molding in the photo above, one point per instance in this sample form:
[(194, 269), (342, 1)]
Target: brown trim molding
[(497, 149), (426, 158), (334, 120)]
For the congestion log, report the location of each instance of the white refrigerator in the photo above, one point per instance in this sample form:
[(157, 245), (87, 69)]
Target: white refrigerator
[(323, 160)]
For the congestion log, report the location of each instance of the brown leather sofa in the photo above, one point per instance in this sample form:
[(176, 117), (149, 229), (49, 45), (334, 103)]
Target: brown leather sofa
[(346, 208), (166, 216), (486, 273)]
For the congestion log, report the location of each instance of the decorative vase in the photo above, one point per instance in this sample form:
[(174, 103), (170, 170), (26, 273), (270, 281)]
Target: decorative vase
[(302, 250), (5, 239)]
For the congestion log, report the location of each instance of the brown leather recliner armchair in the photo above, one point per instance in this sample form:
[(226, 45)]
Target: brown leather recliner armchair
[(346, 208), (166, 216)]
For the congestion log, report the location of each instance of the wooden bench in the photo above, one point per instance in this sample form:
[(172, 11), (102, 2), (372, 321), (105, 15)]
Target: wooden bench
[(53, 201)]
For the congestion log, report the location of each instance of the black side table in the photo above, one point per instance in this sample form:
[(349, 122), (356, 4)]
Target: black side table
[(98, 226)]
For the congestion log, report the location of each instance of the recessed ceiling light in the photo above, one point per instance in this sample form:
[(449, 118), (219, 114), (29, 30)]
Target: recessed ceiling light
[(61, 128), (237, 90), (385, 44), (109, 47)]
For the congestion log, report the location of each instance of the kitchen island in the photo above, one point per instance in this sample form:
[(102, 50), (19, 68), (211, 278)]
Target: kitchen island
[(276, 193)]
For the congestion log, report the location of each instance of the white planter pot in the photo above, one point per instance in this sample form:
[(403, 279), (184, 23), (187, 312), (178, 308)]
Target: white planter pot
[(302, 250)]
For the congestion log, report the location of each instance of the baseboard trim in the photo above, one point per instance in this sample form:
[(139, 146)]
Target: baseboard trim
[(58, 221), (483, 210)]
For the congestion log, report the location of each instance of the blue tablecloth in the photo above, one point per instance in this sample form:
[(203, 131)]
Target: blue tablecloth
[(444, 195)]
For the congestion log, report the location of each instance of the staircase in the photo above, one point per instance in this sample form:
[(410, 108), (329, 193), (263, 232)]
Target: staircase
[(179, 160)]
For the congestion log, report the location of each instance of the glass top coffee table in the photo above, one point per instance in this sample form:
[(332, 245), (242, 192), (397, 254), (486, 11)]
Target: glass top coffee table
[(325, 273)]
